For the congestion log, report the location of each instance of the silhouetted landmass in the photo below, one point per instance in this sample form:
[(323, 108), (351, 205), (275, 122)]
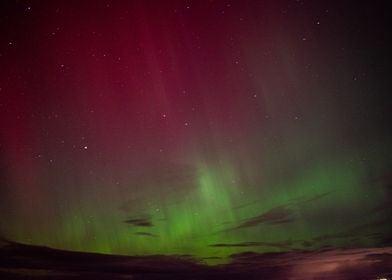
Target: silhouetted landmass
[(20, 261)]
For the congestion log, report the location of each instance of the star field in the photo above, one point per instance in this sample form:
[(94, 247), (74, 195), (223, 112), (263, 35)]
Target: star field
[(203, 128)]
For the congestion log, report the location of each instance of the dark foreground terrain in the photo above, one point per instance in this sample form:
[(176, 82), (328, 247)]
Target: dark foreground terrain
[(19, 261)]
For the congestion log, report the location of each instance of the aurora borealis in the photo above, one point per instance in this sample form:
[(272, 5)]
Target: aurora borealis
[(201, 128)]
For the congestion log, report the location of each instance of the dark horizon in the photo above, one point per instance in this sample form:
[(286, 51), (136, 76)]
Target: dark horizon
[(18, 261)]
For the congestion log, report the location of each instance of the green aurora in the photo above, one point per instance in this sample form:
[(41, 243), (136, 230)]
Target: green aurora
[(193, 132)]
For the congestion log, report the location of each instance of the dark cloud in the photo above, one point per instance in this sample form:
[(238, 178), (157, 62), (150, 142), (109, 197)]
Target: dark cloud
[(313, 198), (142, 233), (285, 213), (274, 216), (370, 229), (340, 235), (140, 222), (282, 245), (245, 205)]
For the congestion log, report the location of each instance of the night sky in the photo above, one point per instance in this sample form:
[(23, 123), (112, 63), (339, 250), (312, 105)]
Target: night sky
[(201, 128)]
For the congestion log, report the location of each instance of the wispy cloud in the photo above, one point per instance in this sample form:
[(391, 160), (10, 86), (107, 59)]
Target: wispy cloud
[(283, 245), (282, 214), (274, 216), (142, 233), (140, 222)]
